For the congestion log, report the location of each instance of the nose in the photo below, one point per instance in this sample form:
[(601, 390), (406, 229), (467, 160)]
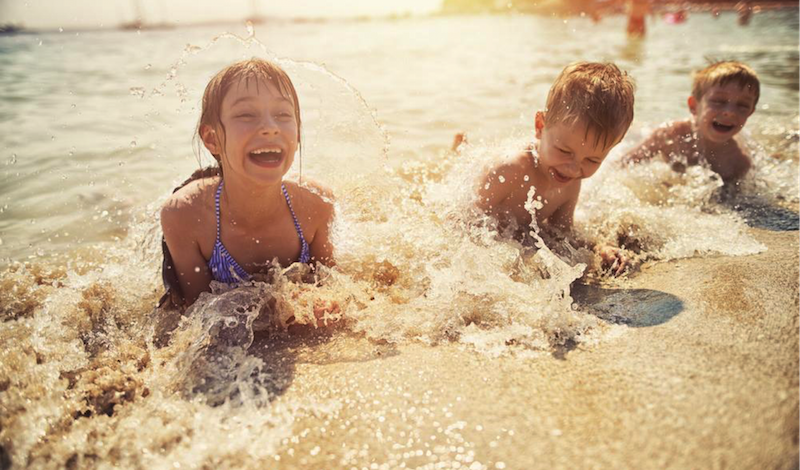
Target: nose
[(269, 126), (570, 168)]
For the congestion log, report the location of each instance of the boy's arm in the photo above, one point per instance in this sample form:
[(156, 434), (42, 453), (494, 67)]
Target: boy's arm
[(563, 218), (740, 166), (653, 145), (494, 187), (564, 215)]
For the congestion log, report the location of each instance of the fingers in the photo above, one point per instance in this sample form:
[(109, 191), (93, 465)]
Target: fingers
[(459, 139)]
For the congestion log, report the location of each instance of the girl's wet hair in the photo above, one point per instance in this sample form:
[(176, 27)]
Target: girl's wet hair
[(256, 72)]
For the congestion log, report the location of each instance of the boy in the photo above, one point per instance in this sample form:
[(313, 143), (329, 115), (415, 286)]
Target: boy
[(724, 95), (588, 111)]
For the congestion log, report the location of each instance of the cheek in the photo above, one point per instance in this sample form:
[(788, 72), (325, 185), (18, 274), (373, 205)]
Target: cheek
[(589, 170)]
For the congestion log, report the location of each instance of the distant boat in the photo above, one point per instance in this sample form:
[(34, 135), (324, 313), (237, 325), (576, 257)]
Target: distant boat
[(139, 23), (10, 28)]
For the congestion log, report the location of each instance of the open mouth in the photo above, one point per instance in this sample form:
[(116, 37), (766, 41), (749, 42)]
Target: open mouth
[(267, 157), (722, 127), (559, 177)]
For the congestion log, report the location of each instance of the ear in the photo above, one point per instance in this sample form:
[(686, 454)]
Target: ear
[(692, 104), (211, 139), (539, 124)]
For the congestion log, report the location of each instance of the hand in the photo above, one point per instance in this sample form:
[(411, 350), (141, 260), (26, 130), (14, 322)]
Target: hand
[(459, 140), (613, 258), (323, 308)]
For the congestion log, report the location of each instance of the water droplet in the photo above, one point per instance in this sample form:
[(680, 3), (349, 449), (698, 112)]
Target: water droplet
[(12, 160), (60, 30), (148, 66), (104, 214), (197, 269), (121, 163), (501, 178), (133, 144), (40, 42), (251, 32), (73, 106), (526, 178), (137, 91)]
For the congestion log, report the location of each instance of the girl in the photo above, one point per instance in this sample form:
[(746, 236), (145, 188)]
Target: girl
[(230, 222)]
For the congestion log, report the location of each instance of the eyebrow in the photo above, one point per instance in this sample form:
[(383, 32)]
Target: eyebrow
[(252, 98)]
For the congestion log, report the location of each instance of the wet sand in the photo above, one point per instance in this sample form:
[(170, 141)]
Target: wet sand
[(704, 375)]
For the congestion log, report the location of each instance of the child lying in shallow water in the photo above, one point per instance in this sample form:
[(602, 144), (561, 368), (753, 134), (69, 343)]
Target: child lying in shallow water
[(724, 95), (588, 111), (230, 223)]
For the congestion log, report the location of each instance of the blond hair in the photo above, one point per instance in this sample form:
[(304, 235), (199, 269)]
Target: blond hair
[(599, 95), (256, 70), (724, 72)]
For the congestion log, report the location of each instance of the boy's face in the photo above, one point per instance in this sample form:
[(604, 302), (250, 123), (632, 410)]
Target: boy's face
[(260, 130), (567, 152), (722, 111)]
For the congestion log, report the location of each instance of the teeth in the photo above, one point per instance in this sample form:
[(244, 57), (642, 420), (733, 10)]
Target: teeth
[(260, 151)]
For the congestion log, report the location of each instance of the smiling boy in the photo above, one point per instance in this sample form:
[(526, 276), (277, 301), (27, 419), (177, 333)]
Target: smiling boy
[(588, 111), (724, 96)]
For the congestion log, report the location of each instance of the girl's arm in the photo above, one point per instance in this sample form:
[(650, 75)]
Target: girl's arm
[(190, 266), (320, 202), (321, 247)]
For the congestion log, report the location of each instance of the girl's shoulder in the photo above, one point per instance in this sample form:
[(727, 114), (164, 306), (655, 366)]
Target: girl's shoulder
[(191, 204), (315, 198)]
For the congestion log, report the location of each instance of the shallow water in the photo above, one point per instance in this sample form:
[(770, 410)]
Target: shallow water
[(439, 315)]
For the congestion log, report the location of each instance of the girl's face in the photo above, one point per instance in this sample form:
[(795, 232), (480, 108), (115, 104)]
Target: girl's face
[(261, 132)]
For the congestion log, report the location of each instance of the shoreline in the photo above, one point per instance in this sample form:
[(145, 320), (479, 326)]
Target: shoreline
[(713, 385)]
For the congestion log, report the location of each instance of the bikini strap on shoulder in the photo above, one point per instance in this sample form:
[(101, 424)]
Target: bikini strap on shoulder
[(216, 201), (291, 209)]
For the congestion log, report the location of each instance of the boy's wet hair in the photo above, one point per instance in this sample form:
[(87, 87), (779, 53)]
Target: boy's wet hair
[(723, 72), (597, 94), (253, 72)]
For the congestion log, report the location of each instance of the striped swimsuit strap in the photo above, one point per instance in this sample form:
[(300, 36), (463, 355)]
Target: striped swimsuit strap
[(224, 267)]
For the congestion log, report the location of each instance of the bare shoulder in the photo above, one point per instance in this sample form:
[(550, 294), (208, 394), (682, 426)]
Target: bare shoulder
[(510, 168), (315, 198), (664, 140), (317, 188), (682, 127), (673, 129), (190, 205)]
